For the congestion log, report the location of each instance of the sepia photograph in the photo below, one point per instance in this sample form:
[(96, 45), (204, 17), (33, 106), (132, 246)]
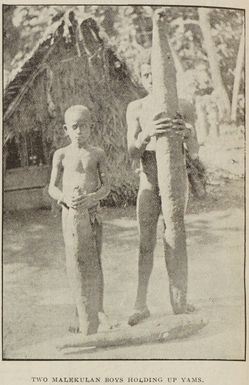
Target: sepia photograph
[(123, 179)]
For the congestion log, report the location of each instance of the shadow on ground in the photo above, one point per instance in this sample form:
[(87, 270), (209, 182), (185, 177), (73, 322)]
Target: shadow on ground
[(38, 308)]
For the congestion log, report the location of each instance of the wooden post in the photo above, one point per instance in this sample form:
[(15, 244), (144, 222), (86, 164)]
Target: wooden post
[(170, 164)]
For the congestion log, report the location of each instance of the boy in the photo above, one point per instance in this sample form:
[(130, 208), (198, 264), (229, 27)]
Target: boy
[(141, 138), (84, 183)]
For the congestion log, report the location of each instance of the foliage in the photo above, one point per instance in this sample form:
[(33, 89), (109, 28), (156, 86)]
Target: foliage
[(128, 29), (227, 27)]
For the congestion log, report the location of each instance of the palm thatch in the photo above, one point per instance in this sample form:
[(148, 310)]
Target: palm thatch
[(73, 65)]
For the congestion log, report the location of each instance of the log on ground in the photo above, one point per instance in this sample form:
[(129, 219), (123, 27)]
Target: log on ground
[(167, 329)]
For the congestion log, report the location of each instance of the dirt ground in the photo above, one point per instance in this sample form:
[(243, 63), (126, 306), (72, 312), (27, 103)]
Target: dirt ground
[(37, 307)]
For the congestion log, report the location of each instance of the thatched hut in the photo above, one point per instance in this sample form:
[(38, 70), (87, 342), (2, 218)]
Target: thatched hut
[(70, 65)]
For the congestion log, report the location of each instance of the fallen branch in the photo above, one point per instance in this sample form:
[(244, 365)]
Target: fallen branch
[(167, 329)]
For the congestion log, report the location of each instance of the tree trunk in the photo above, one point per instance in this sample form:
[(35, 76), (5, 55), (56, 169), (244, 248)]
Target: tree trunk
[(213, 116), (237, 76), (202, 120), (170, 164), (221, 93)]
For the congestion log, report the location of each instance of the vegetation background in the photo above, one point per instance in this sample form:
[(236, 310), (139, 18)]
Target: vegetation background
[(208, 48)]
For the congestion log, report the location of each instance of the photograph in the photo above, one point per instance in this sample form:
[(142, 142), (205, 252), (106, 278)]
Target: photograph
[(123, 183)]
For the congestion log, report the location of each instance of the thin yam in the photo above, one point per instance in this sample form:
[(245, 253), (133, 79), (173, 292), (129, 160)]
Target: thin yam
[(170, 163)]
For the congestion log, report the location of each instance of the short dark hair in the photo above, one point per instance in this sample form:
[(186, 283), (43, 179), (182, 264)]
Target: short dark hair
[(76, 108)]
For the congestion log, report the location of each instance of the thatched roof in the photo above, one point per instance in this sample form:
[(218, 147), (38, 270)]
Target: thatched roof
[(21, 76), (85, 39)]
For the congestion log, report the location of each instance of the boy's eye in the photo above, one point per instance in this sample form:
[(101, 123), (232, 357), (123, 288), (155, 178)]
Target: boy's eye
[(78, 125), (146, 76)]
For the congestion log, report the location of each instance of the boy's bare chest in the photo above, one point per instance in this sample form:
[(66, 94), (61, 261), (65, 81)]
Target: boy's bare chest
[(80, 162), (148, 109), (145, 114)]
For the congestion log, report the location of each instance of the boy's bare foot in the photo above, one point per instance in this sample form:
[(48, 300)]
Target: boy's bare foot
[(186, 310), (138, 316), (190, 308), (105, 323), (74, 329)]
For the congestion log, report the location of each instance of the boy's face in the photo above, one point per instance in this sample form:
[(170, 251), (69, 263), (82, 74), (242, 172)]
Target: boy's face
[(146, 77), (77, 126)]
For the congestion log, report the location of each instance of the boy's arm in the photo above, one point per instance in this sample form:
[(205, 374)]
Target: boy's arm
[(137, 140), (56, 173), (104, 189)]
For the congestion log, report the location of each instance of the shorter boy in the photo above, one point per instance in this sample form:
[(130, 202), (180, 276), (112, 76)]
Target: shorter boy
[(82, 168)]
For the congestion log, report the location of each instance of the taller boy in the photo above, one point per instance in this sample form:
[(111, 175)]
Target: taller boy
[(141, 139)]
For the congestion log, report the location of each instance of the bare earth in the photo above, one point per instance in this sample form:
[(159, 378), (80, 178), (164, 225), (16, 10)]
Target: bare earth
[(37, 307)]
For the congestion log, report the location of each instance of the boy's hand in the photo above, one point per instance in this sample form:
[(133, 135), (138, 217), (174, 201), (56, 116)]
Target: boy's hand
[(83, 201), (162, 125), (158, 126), (181, 128)]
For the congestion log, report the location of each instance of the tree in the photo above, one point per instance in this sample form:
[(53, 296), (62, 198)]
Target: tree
[(237, 76), (204, 71), (220, 91)]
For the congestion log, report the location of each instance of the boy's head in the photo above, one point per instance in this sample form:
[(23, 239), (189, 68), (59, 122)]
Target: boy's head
[(145, 70), (77, 124)]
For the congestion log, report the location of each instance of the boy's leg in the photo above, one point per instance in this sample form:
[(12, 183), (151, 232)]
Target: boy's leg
[(148, 210)]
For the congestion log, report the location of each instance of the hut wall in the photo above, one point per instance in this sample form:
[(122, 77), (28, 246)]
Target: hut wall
[(24, 188)]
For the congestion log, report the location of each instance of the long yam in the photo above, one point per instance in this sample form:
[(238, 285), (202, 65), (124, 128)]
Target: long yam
[(83, 267), (170, 163)]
